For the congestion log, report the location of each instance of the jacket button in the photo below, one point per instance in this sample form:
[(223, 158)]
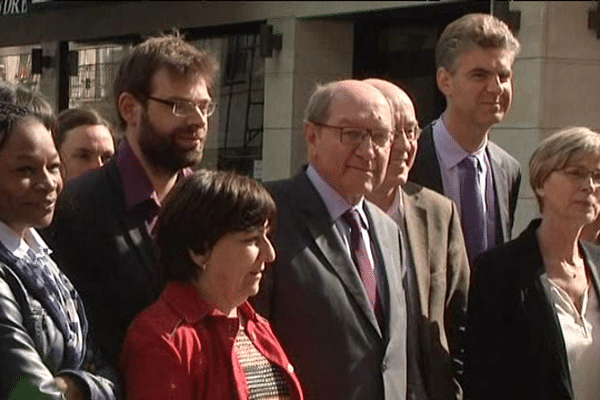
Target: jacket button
[(290, 368), (383, 366)]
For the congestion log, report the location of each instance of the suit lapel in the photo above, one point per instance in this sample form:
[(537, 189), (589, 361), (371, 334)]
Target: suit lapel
[(548, 321), (500, 181), (542, 316), (592, 257), (331, 245), (390, 269), (417, 236), (136, 238), (426, 169)]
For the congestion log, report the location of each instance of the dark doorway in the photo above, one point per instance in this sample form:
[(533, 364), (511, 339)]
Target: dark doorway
[(398, 45)]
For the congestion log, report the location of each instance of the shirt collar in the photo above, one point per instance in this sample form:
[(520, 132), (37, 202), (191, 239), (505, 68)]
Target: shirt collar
[(334, 202), (185, 300), (18, 247), (137, 187), (397, 206), (451, 153)]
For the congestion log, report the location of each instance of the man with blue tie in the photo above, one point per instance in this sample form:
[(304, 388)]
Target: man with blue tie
[(474, 58), (334, 296)]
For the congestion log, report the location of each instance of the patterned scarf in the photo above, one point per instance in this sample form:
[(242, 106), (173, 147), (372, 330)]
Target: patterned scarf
[(57, 295)]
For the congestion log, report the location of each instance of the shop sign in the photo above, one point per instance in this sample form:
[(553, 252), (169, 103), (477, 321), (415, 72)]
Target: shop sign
[(20, 7), (13, 7)]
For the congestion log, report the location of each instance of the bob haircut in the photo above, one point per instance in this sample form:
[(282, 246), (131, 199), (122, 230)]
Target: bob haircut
[(200, 210), (16, 104), (75, 117), (471, 31), (171, 52), (560, 150)]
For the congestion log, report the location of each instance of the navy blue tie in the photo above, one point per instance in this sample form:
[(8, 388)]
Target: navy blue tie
[(472, 208)]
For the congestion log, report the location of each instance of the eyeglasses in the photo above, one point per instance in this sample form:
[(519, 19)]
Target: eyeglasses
[(354, 136), (411, 134), (581, 175), (185, 108)]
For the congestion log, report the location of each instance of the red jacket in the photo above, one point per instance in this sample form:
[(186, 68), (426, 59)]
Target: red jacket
[(182, 348)]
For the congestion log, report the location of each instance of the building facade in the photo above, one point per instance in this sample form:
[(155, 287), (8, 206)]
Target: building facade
[(264, 86)]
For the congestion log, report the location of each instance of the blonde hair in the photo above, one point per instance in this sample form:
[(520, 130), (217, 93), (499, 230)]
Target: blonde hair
[(558, 151)]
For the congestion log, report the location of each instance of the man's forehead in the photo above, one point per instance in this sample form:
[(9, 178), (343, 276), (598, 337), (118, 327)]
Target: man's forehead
[(166, 80), (477, 56), (362, 102)]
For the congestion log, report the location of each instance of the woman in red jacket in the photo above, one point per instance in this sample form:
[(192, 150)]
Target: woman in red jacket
[(201, 339)]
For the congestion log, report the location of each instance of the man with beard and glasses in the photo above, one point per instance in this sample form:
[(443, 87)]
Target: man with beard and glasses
[(105, 220)]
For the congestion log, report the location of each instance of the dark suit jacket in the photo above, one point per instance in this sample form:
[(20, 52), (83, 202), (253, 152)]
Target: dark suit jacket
[(439, 258), (506, 176), (106, 252), (515, 344), (315, 301)]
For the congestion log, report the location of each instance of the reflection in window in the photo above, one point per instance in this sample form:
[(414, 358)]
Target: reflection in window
[(16, 69)]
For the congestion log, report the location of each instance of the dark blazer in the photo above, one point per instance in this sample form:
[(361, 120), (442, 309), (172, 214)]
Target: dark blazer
[(515, 347), (106, 252), (435, 240), (315, 302), (506, 176)]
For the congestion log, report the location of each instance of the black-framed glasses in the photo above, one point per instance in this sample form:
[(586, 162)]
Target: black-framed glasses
[(581, 174), (185, 108), (354, 136)]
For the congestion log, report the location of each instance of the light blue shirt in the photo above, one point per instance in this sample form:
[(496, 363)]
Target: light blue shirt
[(336, 206), (450, 154)]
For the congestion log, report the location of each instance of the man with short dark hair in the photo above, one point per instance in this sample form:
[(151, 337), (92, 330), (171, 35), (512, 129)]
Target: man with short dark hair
[(334, 296), (474, 57), (84, 140), (102, 231)]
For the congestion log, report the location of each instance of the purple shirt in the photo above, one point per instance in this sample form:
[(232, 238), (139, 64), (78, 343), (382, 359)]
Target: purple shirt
[(137, 187)]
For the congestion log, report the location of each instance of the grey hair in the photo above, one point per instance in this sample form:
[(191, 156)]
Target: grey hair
[(317, 109)]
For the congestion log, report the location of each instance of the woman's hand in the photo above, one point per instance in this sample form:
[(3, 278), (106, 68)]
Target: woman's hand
[(69, 387)]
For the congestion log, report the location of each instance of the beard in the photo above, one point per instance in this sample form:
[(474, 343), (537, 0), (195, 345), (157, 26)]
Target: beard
[(162, 151)]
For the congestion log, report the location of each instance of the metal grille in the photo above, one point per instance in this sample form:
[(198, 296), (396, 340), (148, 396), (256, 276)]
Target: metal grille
[(16, 69), (241, 103), (95, 75)]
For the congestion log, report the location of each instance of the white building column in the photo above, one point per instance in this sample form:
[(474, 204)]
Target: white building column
[(313, 51)]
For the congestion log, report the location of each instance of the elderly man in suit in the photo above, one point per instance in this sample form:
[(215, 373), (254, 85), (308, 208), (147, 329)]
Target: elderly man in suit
[(436, 261), (335, 297), (102, 231), (474, 57)]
